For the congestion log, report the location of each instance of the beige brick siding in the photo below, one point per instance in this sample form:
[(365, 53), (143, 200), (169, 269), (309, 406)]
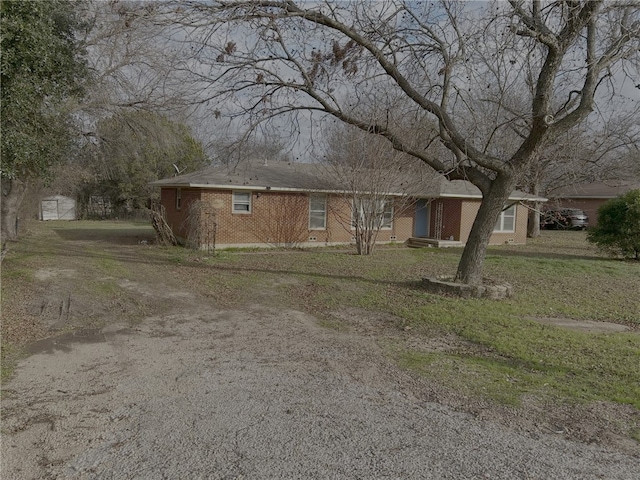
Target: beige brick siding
[(469, 211)]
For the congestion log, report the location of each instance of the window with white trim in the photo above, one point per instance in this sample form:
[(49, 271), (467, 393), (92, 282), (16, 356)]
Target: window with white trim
[(317, 212), (372, 214), (507, 220), (387, 215), (178, 198), (241, 202)]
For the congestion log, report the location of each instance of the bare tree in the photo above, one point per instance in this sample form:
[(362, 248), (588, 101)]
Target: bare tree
[(582, 155), (134, 67), (377, 183), (288, 218), (229, 150), (459, 65), (201, 226)]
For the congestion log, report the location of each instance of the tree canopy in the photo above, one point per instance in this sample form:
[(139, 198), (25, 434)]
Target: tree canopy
[(135, 148), (43, 73), (42, 70)]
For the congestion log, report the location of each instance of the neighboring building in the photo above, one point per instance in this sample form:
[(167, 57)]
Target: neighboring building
[(57, 207), (296, 204), (589, 197)]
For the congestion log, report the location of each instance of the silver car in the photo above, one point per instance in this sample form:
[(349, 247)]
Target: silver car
[(564, 218)]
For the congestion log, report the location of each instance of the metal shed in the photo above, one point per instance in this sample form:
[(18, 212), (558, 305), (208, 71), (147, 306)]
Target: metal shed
[(57, 207)]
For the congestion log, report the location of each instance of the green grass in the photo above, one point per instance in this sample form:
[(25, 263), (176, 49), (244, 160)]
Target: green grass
[(501, 354), (512, 356), (476, 375), (534, 357)]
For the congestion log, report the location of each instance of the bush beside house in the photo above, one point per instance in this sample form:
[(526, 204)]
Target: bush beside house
[(618, 229)]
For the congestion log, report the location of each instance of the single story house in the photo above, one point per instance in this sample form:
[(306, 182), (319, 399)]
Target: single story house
[(296, 204), (57, 207), (589, 197)]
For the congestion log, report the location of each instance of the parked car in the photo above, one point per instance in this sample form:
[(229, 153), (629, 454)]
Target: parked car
[(564, 218)]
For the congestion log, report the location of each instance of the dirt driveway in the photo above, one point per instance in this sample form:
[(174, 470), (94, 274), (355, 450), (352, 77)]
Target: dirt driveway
[(193, 389)]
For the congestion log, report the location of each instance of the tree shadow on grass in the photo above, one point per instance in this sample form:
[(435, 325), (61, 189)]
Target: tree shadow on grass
[(134, 253), (115, 236)]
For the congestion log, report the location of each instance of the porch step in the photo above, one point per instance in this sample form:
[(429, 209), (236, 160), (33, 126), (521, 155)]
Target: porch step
[(420, 242)]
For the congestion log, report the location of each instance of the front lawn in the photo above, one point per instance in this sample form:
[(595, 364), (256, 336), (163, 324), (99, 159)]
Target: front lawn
[(498, 351)]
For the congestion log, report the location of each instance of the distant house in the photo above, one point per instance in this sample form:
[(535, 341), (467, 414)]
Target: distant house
[(590, 196), (296, 204), (57, 207)]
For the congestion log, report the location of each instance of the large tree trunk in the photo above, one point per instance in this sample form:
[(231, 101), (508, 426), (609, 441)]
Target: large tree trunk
[(13, 191), (493, 202), (533, 227)]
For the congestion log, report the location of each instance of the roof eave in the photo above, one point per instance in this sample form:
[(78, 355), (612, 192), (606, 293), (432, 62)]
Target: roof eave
[(209, 186)]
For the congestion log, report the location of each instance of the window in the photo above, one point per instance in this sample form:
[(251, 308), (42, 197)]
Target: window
[(241, 202), (178, 198), (387, 215), (317, 212), (372, 214), (507, 220)]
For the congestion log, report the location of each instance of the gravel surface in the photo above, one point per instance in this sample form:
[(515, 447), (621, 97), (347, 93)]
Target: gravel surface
[(254, 393)]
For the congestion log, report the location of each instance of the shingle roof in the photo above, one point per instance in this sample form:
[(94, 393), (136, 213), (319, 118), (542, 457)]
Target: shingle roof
[(282, 176), (275, 175)]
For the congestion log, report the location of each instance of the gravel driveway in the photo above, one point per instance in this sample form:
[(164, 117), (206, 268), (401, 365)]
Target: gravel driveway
[(254, 393)]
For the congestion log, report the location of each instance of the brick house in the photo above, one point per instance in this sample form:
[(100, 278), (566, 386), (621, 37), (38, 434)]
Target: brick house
[(296, 204), (589, 197)]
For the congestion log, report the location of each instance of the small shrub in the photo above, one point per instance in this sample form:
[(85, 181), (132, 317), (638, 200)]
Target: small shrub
[(618, 229)]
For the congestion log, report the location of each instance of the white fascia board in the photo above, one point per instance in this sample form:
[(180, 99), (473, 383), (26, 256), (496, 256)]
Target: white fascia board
[(586, 197), (519, 198), (260, 188), (257, 188), (451, 195)]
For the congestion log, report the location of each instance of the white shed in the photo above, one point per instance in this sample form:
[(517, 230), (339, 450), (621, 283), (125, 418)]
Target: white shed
[(57, 207)]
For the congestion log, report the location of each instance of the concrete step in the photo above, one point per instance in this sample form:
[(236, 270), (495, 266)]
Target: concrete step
[(420, 242)]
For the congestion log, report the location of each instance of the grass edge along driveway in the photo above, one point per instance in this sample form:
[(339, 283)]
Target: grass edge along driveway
[(499, 352)]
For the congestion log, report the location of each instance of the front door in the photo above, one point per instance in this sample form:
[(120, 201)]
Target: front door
[(422, 218)]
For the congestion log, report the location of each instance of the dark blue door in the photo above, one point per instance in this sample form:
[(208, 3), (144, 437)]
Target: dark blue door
[(422, 218)]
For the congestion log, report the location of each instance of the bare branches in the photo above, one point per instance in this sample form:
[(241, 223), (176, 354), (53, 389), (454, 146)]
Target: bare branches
[(496, 80)]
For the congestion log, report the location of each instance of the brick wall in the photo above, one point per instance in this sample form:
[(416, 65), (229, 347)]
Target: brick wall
[(450, 219), (282, 218), (276, 218), (339, 222), (176, 218), (470, 210), (590, 206)]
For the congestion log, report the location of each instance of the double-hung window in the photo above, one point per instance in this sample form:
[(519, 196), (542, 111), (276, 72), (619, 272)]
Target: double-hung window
[(387, 215), (372, 214), (178, 198), (507, 220), (317, 212), (241, 202)]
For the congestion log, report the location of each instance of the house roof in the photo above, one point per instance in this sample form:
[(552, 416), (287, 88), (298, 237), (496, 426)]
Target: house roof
[(305, 177), (608, 189), (274, 175), (465, 189)]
